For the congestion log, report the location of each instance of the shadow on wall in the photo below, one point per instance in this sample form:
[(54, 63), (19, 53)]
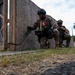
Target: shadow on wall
[(63, 69)]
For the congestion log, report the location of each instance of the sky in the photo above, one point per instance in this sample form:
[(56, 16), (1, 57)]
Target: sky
[(60, 9)]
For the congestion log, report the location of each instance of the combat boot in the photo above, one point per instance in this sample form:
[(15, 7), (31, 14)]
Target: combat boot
[(57, 46)]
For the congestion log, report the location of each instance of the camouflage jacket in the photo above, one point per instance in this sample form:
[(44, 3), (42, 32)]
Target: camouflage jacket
[(63, 30), (46, 24)]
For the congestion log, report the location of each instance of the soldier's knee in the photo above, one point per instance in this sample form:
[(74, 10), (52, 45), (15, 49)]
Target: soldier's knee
[(56, 32), (67, 37)]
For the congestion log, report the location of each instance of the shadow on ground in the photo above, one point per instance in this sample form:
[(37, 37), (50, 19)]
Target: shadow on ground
[(63, 69)]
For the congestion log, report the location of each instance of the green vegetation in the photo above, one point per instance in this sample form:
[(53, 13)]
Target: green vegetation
[(32, 56)]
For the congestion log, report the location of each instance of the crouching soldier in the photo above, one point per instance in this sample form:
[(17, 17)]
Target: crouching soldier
[(64, 34), (45, 30)]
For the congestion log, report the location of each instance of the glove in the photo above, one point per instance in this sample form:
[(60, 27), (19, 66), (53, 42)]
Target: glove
[(29, 28)]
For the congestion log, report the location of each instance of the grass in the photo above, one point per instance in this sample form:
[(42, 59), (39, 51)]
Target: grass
[(34, 55)]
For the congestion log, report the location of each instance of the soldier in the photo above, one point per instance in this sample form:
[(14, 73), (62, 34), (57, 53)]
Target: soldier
[(64, 34), (45, 30)]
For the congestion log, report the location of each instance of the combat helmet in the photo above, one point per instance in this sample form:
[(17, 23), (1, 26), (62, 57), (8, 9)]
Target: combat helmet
[(41, 11), (59, 21)]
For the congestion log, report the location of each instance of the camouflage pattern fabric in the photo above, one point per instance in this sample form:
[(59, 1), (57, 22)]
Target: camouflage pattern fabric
[(64, 35), (44, 43), (67, 38)]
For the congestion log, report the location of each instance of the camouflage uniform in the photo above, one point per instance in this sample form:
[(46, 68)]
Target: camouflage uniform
[(46, 32), (64, 35)]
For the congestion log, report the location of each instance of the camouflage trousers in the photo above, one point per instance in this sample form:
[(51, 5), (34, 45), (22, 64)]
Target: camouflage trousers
[(67, 38), (44, 41)]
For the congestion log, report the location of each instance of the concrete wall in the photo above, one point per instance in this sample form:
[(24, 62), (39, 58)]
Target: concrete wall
[(25, 16)]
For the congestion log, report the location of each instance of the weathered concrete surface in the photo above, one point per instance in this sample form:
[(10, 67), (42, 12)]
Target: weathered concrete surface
[(14, 52)]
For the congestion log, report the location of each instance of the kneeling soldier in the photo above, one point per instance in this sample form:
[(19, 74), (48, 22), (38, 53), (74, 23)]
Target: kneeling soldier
[(45, 30)]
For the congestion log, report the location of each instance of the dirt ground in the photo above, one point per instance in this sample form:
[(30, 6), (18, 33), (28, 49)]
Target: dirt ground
[(54, 65)]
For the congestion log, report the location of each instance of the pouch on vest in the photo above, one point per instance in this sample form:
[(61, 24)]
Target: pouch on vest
[(39, 33), (50, 31)]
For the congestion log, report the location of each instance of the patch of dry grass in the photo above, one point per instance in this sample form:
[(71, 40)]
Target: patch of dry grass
[(30, 57)]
